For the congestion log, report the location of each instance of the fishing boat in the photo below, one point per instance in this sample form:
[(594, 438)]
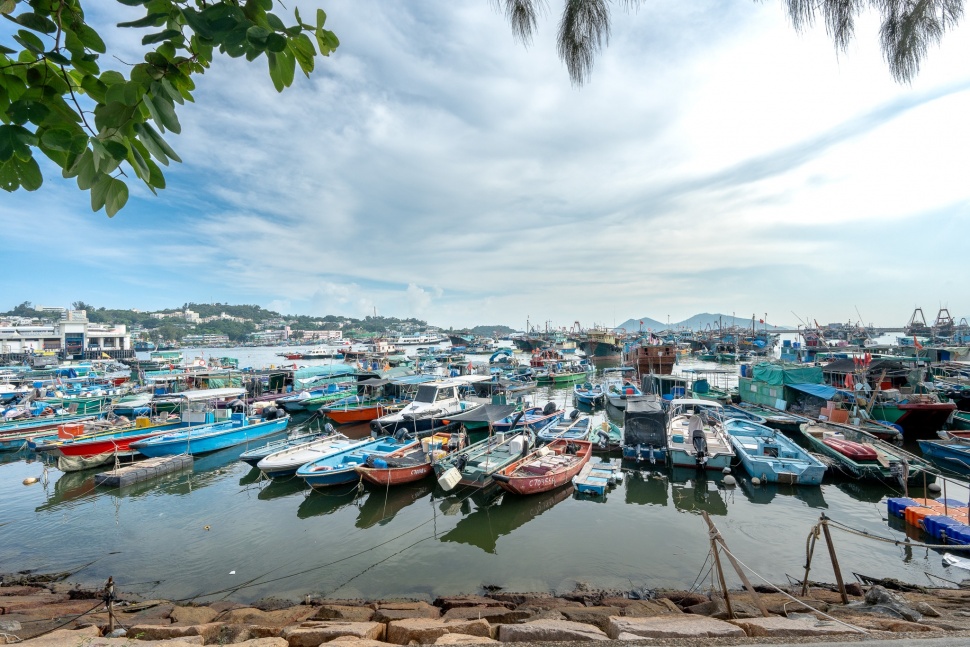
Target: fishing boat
[(771, 456), (411, 463), (575, 427), (645, 430), (589, 394), (338, 467), (475, 465), (333, 393), (534, 419), (94, 449), (618, 391), (695, 436), (211, 428), (434, 404), (285, 461), (546, 468), (564, 372), (256, 454), (863, 456), (951, 455)]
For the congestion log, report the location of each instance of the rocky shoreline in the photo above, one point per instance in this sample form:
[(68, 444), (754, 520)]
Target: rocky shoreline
[(37, 611)]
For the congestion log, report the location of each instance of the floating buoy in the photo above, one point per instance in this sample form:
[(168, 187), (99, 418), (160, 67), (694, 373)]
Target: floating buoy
[(755, 481), (729, 481), (30, 480), (932, 487), (726, 470), (205, 527)]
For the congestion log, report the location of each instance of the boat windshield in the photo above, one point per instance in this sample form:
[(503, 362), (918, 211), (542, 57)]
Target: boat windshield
[(426, 393)]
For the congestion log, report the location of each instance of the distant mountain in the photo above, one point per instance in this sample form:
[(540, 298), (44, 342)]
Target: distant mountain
[(697, 322)]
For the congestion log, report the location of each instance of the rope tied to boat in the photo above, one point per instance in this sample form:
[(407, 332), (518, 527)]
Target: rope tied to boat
[(896, 542)]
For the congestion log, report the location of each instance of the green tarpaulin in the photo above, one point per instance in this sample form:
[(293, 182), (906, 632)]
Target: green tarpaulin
[(782, 374)]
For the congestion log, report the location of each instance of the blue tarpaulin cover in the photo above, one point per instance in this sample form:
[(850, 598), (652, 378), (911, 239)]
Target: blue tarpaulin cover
[(823, 391)]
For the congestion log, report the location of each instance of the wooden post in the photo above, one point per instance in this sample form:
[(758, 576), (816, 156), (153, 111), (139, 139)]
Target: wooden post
[(835, 560), (109, 594), (720, 572), (808, 562), (716, 538)]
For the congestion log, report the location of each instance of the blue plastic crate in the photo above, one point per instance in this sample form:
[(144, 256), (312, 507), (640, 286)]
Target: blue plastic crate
[(897, 505)]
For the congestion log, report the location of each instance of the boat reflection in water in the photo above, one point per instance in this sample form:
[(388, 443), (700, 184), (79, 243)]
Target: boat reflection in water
[(69, 487), (488, 522), (698, 491), (279, 488), (323, 503), (766, 492), (647, 487), (384, 503)]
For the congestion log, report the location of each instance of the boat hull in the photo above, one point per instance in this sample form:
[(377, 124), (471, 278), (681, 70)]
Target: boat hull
[(395, 475), (221, 438), (538, 483)]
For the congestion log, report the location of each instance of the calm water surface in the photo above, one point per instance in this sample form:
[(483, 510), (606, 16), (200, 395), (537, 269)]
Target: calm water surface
[(220, 531)]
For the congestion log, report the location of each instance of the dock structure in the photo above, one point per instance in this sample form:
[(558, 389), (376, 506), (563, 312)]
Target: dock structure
[(597, 478), (142, 471)]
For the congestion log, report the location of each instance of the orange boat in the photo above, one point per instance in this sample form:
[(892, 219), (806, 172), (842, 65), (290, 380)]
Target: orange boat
[(546, 468), (411, 463), (348, 413)]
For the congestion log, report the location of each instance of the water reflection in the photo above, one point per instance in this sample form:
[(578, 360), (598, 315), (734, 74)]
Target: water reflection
[(484, 526), (323, 503), (647, 487), (383, 504), (279, 488), (697, 490), (766, 492)]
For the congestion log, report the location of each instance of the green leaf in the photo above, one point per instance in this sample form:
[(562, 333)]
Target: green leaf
[(18, 173), (157, 146), (7, 6), (15, 141), (20, 112), (57, 139), (275, 23), (321, 18), (276, 43), (257, 36), (137, 161), (86, 173), (30, 41), (36, 22), (302, 49), (99, 192), (116, 197), (163, 113), (90, 38), (110, 77), (57, 57), (326, 41), (151, 20), (168, 34)]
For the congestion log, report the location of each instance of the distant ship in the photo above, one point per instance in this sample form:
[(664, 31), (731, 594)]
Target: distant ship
[(144, 346)]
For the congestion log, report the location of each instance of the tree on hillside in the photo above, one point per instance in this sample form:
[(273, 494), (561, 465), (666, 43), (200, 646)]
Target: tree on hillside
[(103, 126), (907, 30)]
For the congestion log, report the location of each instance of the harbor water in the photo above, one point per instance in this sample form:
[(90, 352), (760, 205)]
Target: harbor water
[(219, 530)]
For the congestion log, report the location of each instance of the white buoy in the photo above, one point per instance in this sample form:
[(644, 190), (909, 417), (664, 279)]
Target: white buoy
[(730, 481), (755, 481), (30, 480), (726, 470), (934, 488)]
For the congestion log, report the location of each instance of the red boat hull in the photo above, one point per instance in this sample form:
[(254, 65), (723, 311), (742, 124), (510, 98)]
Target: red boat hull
[(855, 451), (518, 483), (364, 414), (394, 475)]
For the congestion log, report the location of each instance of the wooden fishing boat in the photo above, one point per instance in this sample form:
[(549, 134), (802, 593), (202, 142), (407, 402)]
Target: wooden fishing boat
[(411, 463), (575, 427), (771, 456), (890, 462), (589, 394), (286, 461), (256, 454), (618, 391), (339, 467), (546, 468)]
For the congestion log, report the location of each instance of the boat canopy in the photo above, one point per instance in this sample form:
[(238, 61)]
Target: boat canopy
[(644, 422), (697, 402), (781, 375), (485, 413), (823, 391), (373, 382), (210, 394)]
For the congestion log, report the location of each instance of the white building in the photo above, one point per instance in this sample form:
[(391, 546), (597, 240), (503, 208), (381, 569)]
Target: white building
[(73, 334)]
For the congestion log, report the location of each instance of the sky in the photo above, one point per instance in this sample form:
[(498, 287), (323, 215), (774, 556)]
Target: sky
[(433, 167)]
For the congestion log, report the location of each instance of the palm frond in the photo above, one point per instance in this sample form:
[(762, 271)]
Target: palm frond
[(583, 30), (909, 27), (523, 17)]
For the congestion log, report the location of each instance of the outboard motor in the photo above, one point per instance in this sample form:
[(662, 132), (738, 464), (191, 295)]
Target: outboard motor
[(400, 434), (604, 439), (574, 414), (460, 462), (328, 429), (695, 427), (549, 408), (237, 406), (271, 413)]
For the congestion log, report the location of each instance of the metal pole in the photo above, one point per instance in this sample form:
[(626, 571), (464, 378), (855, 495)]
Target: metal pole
[(835, 560)]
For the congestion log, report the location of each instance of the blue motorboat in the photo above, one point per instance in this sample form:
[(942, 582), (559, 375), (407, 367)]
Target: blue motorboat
[(952, 455), (589, 394), (338, 467), (201, 439), (618, 391), (771, 456), (575, 427)]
